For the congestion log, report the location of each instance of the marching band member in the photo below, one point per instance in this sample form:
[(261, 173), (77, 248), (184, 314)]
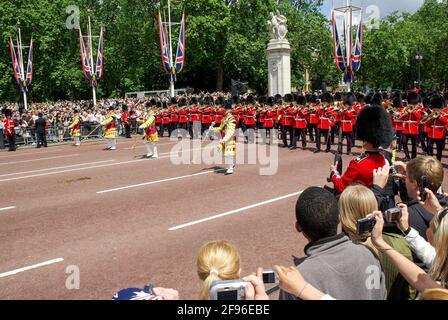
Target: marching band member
[(228, 138), (288, 121), (109, 132), (159, 118), (397, 122), (174, 118), (126, 121), (10, 133), (151, 136), (347, 116), (75, 128), (300, 123), (195, 119), (323, 127), (374, 128), (249, 120), (207, 114), (269, 121), (411, 117), (437, 122), (183, 117), (313, 119)]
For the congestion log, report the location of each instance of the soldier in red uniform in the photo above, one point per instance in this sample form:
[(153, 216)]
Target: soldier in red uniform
[(174, 118), (411, 117), (269, 121), (183, 117), (347, 114), (300, 123), (323, 126), (249, 120), (397, 122), (195, 119), (10, 133), (207, 114), (159, 119), (313, 119), (436, 123), (288, 121), (374, 128), (126, 121)]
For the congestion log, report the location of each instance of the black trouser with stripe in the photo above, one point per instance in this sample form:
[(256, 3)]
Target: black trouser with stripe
[(319, 134), (12, 142), (348, 136), (440, 144), (286, 130), (413, 138), (299, 133)]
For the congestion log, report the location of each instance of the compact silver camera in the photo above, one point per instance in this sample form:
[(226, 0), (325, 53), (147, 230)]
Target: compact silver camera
[(227, 290)]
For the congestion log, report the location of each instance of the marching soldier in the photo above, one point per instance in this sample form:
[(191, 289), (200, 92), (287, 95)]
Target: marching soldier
[(150, 136), (174, 117), (165, 119), (109, 132), (300, 123), (436, 123), (269, 121), (75, 128), (228, 138), (323, 127), (159, 119), (183, 117), (10, 133), (347, 116), (249, 120), (313, 119), (195, 120), (397, 122), (374, 128), (411, 116), (288, 122), (126, 121), (207, 115)]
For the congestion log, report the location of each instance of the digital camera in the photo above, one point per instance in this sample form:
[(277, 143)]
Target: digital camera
[(227, 290), (270, 276), (392, 215)]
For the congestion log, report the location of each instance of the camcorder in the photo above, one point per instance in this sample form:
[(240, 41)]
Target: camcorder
[(270, 276), (227, 290), (366, 225)]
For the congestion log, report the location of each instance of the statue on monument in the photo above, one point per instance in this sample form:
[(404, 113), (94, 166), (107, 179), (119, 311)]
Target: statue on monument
[(277, 26)]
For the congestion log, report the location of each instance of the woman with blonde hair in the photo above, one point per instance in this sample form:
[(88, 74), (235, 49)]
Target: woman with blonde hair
[(217, 260), (357, 202)]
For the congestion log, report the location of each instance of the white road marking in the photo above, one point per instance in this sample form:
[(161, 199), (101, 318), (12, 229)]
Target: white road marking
[(158, 181), (55, 168), (34, 266), (7, 208), (235, 211), (40, 159)]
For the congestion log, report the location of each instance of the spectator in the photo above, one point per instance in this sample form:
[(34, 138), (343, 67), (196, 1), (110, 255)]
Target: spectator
[(357, 202), (217, 260), (333, 263), (41, 125)]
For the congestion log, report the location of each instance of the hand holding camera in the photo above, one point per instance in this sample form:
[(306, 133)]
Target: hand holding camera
[(431, 203), (381, 175), (403, 222), (366, 225), (255, 289)]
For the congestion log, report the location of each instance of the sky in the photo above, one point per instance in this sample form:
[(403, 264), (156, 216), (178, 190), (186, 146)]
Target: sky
[(376, 7)]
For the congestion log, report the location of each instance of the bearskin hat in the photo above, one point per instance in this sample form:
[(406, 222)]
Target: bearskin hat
[(173, 101), (397, 102), (228, 104), (164, 105), (220, 101), (445, 95), (288, 98), (360, 97), (159, 104), (194, 100), (374, 125), (250, 99), (437, 102), (278, 98), (426, 101), (337, 96), (153, 102), (7, 112), (413, 98), (262, 99), (271, 101), (182, 102), (301, 100), (349, 99), (235, 99), (326, 97), (377, 99), (312, 99)]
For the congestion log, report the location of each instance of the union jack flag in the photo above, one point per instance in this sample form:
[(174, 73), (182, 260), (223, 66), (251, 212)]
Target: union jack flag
[(180, 55), (99, 58), (357, 49), (29, 69), (164, 45), (15, 65), (338, 55), (86, 67)]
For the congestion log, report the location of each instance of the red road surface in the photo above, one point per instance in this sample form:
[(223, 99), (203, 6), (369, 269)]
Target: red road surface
[(121, 238)]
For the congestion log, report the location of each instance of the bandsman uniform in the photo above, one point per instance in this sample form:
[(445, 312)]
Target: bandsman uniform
[(75, 129), (228, 138), (110, 131), (151, 136)]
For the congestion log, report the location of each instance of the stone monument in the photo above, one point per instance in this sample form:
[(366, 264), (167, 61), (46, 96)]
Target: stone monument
[(279, 56)]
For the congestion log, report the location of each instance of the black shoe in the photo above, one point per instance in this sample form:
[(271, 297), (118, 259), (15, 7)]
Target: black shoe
[(293, 148), (328, 150), (317, 151)]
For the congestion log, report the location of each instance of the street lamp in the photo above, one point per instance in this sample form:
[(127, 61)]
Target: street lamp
[(419, 59)]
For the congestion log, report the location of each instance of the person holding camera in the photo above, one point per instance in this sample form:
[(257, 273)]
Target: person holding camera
[(374, 128), (333, 263), (356, 203), (217, 261)]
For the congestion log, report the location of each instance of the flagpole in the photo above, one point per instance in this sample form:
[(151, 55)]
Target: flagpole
[(348, 40), (91, 62), (171, 50), (19, 44)]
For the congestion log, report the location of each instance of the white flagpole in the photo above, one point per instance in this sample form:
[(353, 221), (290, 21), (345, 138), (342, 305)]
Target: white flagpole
[(171, 49), (91, 62), (22, 72), (348, 34)]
